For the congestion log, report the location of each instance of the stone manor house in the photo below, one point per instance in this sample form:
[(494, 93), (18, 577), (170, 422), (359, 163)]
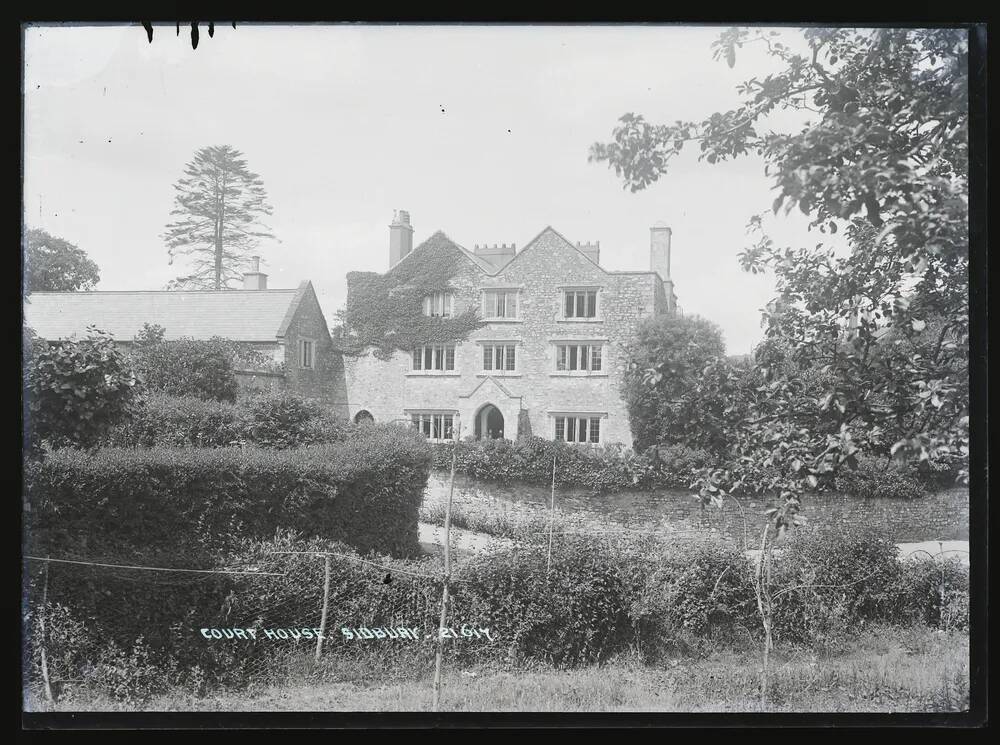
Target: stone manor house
[(548, 362), (550, 359)]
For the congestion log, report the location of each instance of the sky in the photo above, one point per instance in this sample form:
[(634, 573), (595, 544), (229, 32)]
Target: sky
[(480, 132)]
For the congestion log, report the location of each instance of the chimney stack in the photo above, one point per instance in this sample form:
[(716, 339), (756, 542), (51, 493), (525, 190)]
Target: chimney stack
[(400, 236), (254, 279), (659, 259)]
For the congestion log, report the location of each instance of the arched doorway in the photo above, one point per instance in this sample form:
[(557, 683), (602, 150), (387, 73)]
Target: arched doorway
[(489, 423), (363, 417)]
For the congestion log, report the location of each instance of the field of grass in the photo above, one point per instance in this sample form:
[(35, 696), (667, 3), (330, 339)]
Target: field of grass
[(881, 670)]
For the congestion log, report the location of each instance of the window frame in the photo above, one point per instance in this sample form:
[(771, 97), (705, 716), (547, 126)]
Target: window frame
[(495, 293), (583, 425), (581, 302), (430, 354), (304, 343), (431, 303), (567, 352), (431, 422), (504, 348)]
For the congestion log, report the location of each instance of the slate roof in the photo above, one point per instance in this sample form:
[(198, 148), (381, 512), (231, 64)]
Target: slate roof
[(241, 315)]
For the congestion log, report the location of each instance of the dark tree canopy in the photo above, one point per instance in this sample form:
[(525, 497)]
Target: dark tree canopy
[(667, 356), (56, 265), (882, 160), (218, 210)]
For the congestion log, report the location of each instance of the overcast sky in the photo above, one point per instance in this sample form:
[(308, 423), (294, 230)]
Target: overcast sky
[(482, 132)]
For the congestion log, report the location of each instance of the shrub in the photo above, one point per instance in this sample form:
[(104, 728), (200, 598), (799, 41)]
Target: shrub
[(180, 421), (831, 580), (600, 469), (186, 367), (279, 420), (875, 480), (934, 592), (701, 587), (76, 390), (282, 420), (577, 613), (365, 491)]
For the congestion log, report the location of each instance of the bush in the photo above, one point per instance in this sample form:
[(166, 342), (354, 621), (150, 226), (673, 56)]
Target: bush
[(283, 420), (600, 469), (832, 580), (875, 480), (934, 592), (76, 391), (700, 587), (577, 613), (186, 367), (365, 491), (278, 420)]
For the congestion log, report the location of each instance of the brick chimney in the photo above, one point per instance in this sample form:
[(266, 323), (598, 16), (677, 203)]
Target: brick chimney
[(400, 236), (591, 250), (496, 256), (254, 279), (659, 259)]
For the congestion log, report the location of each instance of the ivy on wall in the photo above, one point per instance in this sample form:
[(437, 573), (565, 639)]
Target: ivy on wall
[(384, 312)]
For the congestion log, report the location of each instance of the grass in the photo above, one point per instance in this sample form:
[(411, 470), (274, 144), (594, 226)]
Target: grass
[(882, 669)]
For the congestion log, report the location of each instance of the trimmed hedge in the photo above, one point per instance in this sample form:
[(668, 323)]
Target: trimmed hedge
[(600, 469), (877, 480), (276, 420), (191, 503)]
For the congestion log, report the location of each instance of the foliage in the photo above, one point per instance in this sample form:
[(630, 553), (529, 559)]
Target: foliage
[(282, 420), (385, 311), (579, 612), (934, 593), (884, 150), (602, 469), (186, 367), (832, 580), (885, 480), (664, 359), (699, 587), (76, 390), (275, 420), (134, 503), (55, 265), (218, 208)]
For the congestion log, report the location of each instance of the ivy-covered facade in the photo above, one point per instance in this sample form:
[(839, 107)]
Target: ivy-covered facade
[(496, 342)]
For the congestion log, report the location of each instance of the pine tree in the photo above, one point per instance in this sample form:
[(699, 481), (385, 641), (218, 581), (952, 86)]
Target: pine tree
[(218, 207)]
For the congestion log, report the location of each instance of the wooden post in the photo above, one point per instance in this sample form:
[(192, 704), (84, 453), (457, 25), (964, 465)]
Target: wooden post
[(447, 570), (326, 606), (45, 663), (552, 516)]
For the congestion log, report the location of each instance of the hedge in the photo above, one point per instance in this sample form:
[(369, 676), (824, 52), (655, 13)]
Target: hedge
[(191, 503), (275, 420), (599, 469)]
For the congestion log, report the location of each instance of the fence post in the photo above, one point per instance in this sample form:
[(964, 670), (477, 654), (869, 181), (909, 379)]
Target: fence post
[(447, 568), (45, 663), (326, 606), (552, 515)]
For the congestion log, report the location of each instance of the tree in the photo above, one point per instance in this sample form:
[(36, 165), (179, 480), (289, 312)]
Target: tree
[(884, 153), (667, 355), (76, 390), (219, 204), (56, 265)]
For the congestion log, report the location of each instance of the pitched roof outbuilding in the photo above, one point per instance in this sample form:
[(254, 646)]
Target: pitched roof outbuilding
[(240, 315)]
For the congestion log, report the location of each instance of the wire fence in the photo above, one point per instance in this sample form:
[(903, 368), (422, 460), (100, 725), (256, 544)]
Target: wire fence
[(129, 627)]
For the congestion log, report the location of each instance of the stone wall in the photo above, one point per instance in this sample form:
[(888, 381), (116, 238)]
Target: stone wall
[(539, 273)]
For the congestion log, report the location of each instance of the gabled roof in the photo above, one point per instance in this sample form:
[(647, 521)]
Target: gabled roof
[(241, 315), (493, 271)]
